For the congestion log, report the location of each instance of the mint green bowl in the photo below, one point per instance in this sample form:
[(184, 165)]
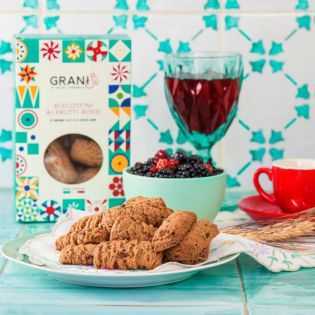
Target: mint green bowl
[(202, 195)]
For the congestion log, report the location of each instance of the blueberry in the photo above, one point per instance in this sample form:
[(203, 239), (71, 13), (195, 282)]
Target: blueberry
[(185, 167), (194, 174), (146, 167), (131, 170), (168, 173), (180, 168)]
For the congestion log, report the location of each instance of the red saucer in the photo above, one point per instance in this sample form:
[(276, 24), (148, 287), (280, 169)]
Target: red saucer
[(259, 209)]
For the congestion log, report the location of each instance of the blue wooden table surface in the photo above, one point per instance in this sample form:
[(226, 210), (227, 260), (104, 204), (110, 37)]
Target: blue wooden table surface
[(239, 287)]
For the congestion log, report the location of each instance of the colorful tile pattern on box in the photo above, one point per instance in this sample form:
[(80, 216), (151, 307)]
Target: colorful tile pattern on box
[(73, 51), (48, 69)]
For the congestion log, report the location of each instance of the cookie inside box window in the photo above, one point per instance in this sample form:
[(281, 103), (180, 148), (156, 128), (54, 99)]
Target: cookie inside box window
[(73, 159)]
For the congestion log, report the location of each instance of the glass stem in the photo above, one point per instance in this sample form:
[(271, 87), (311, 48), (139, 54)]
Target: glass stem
[(206, 154)]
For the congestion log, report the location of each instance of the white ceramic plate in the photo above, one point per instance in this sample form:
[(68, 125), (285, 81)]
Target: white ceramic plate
[(124, 279)]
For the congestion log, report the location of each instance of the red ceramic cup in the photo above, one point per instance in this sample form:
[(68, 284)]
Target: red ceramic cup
[(293, 184)]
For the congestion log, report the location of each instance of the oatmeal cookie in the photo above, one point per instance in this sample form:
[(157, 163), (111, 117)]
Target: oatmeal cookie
[(59, 165), (127, 228), (88, 222), (154, 202), (86, 152), (126, 255), (194, 248), (139, 211), (88, 173), (77, 255), (173, 230), (85, 236)]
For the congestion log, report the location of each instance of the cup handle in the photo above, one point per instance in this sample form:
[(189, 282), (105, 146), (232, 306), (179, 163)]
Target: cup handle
[(263, 170)]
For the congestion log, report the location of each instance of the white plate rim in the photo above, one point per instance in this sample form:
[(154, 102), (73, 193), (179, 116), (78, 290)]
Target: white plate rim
[(123, 274)]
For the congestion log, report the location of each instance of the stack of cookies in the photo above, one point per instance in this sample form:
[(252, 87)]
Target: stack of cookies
[(141, 234), (73, 159)]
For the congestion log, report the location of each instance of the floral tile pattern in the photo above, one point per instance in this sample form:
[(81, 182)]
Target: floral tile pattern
[(277, 101)]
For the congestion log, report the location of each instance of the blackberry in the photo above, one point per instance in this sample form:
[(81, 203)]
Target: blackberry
[(200, 168), (210, 162), (140, 172), (194, 173), (146, 168), (170, 171), (180, 156), (177, 173), (205, 173), (195, 159), (150, 161), (217, 171), (163, 171), (138, 165)]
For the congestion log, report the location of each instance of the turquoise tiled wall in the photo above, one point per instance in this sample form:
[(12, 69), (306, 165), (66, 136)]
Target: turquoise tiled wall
[(276, 117)]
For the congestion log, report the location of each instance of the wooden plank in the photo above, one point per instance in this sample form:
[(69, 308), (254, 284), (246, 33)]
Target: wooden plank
[(281, 309), (228, 309), (281, 292), (217, 287)]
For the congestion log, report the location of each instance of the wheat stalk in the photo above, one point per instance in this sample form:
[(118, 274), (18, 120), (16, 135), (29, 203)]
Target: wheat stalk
[(279, 230)]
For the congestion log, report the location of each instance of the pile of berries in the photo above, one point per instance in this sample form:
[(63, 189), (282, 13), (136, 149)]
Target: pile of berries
[(178, 165)]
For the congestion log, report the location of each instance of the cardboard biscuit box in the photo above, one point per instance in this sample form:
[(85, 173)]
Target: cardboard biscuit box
[(72, 123)]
